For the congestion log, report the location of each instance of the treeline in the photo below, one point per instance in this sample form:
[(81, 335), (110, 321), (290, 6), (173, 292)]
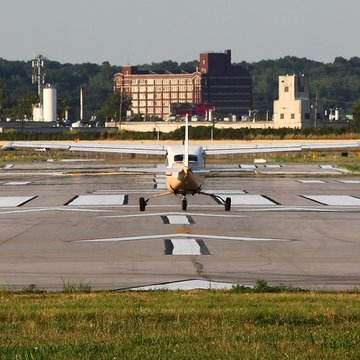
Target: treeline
[(195, 133), (337, 83)]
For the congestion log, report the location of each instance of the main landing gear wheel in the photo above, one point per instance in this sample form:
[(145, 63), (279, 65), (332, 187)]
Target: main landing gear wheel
[(227, 204), (142, 204), (183, 204)]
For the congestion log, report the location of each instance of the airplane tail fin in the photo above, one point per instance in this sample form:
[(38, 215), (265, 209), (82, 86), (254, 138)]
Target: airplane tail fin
[(186, 142)]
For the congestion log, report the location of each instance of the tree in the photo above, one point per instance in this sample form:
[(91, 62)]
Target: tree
[(25, 106), (112, 105), (2, 96), (356, 114)]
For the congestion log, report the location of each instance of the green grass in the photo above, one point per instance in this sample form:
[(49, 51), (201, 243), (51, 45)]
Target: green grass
[(235, 324)]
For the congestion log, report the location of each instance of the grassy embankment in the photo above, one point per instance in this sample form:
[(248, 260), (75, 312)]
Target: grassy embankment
[(180, 325)]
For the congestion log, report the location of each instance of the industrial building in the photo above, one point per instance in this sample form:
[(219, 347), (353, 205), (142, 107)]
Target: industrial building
[(294, 109), (215, 84)]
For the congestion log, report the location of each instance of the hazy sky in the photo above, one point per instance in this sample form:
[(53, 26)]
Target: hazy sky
[(144, 31)]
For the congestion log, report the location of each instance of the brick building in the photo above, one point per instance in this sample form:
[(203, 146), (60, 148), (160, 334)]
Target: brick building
[(216, 81)]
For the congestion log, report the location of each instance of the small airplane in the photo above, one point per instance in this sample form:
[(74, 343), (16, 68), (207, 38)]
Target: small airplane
[(185, 164)]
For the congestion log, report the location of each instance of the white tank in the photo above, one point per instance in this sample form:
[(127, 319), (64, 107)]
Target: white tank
[(37, 112), (49, 103)]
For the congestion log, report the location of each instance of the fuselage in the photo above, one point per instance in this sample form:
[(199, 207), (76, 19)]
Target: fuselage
[(183, 180)]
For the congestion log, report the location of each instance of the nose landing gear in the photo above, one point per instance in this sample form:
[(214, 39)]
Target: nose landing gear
[(184, 203)]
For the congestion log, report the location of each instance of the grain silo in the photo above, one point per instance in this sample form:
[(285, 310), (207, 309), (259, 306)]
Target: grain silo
[(49, 103)]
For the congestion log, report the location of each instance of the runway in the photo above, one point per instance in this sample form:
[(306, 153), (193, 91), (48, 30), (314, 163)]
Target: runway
[(79, 222)]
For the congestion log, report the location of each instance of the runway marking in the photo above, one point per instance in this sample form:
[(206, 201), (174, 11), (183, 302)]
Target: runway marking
[(334, 200), (177, 219), (246, 199), (186, 285), (181, 236), (96, 200), (185, 246), (272, 166), (14, 201), (17, 183), (227, 192), (247, 166), (312, 181), (149, 214), (35, 209), (160, 182), (328, 167), (349, 181)]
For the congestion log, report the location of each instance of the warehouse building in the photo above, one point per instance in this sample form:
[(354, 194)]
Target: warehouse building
[(215, 84)]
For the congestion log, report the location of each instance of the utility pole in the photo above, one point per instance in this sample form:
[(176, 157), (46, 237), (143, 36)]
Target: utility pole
[(315, 109), (81, 103), (120, 110)]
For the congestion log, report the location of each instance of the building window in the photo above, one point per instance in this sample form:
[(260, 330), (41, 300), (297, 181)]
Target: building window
[(293, 116), (286, 89), (282, 116)]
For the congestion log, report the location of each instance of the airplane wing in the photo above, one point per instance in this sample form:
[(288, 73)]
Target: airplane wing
[(155, 170), (270, 148), (208, 170), (90, 147)]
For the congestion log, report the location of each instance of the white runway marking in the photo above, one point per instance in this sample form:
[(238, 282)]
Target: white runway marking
[(312, 181), (6, 201), (187, 285), (328, 167), (17, 183), (247, 166), (175, 236), (177, 219), (226, 192), (96, 200), (349, 181), (273, 166), (246, 199), (160, 181), (334, 200), (176, 214), (185, 247)]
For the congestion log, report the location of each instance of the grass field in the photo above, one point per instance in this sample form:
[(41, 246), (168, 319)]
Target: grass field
[(180, 325)]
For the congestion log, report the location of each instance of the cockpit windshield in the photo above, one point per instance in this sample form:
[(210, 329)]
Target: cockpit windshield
[(180, 158)]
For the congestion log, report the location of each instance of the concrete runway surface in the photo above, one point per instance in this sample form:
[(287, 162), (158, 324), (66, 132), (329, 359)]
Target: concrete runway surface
[(79, 222)]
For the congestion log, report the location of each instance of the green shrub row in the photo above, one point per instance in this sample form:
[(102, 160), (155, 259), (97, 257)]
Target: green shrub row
[(196, 133)]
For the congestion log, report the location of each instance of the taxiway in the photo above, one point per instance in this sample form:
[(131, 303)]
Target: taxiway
[(296, 225)]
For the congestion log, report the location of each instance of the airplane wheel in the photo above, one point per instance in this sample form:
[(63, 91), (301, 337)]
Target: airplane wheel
[(227, 204), (142, 204), (183, 204)]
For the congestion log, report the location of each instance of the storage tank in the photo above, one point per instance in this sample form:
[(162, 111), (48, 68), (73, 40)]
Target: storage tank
[(49, 103), (37, 112)]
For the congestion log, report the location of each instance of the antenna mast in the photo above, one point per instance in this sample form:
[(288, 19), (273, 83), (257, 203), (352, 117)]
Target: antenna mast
[(38, 76)]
